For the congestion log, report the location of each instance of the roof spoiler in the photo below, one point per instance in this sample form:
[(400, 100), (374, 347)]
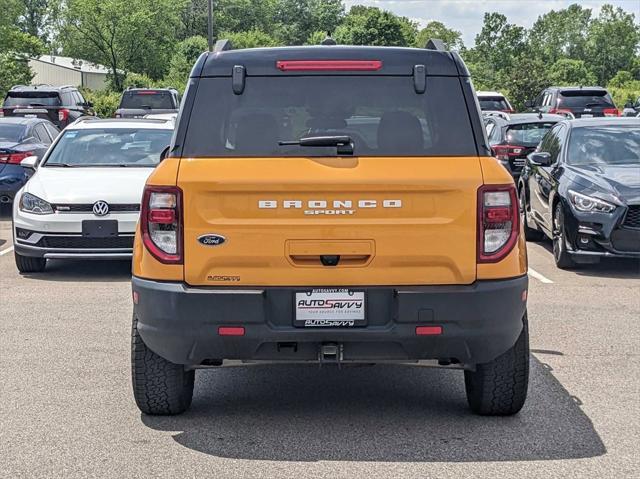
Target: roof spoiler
[(222, 45), (435, 44)]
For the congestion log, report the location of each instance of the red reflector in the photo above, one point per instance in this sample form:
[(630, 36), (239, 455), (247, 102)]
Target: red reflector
[(231, 331), (500, 214), (135, 297), (428, 330), (164, 217), (324, 65)]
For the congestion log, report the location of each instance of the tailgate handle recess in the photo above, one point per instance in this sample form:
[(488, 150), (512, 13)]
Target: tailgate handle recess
[(310, 253)]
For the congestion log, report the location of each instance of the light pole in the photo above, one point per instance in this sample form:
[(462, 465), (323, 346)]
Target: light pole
[(210, 24)]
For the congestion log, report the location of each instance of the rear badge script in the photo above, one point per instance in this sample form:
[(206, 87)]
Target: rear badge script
[(211, 240)]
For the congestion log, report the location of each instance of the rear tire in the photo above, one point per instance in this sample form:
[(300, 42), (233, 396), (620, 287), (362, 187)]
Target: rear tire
[(29, 264), (530, 234), (160, 387), (560, 255), (499, 387)]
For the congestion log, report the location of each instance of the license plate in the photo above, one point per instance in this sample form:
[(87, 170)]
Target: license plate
[(586, 116), (330, 308), (99, 228)]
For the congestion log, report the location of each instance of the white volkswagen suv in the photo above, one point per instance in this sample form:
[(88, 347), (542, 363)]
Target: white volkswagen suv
[(83, 200)]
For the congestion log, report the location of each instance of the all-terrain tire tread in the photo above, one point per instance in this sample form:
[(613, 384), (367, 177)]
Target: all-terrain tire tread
[(159, 386), (499, 387)]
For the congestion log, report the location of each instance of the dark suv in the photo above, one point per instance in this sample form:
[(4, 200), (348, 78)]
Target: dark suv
[(581, 102), (61, 105), (513, 137), (138, 102)]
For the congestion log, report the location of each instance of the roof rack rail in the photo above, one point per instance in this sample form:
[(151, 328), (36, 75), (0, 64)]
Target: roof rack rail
[(222, 45), (15, 87), (435, 44), (85, 118), (68, 86), (501, 114)]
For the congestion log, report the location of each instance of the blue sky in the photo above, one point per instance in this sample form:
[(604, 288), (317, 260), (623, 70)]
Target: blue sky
[(466, 15)]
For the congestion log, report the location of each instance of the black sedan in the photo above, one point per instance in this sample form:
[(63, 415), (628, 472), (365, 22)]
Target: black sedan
[(581, 188), (513, 136), (19, 139)]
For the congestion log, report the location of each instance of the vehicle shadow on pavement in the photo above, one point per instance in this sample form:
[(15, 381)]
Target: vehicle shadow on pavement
[(619, 268), (389, 413), (79, 270)]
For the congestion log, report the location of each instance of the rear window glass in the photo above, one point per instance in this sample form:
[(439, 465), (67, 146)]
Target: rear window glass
[(110, 147), (383, 116), (151, 100), (32, 98), (585, 98), (527, 134), (493, 103), (610, 145), (11, 133)]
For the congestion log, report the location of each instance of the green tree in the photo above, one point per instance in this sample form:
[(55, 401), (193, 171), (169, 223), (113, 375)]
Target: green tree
[(38, 17), (524, 82), (296, 20), (372, 26), (612, 42), (498, 44), (452, 39), (560, 34), (185, 55), (15, 48), (250, 39), (126, 35), (566, 72)]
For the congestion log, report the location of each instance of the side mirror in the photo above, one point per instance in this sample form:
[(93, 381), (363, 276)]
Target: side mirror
[(30, 162), (529, 103), (164, 153), (539, 158)]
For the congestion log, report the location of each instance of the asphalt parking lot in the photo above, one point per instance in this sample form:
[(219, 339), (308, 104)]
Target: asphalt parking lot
[(66, 408)]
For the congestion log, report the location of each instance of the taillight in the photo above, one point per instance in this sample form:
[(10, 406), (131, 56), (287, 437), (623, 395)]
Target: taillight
[(504, 152), (63, 114), (611, 112), (329, 65), (14, 158), (161, 223), (498, 222)]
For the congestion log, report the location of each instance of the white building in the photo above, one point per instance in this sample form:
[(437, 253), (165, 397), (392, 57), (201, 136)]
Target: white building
[(58, 71)]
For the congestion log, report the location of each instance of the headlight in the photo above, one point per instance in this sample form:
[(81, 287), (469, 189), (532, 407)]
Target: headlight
[(32, 204), (589, 203)]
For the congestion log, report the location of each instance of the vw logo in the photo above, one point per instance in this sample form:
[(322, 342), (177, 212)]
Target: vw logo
[(100, 208)]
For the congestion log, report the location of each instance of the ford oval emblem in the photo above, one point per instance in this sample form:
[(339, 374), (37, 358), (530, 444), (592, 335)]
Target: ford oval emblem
[(212, 240)]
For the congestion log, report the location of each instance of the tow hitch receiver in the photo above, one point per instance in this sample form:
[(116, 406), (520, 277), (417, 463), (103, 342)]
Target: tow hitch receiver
[(330, 353)]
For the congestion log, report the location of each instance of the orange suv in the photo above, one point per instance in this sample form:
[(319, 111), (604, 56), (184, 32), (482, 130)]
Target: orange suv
[(330, 205)]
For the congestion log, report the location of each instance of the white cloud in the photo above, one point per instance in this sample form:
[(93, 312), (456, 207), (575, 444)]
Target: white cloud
[(466, 15)]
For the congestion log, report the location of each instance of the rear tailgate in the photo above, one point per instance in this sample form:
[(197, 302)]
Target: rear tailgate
[(395, 221)]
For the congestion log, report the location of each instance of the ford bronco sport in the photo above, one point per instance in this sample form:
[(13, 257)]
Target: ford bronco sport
[(330, 204)]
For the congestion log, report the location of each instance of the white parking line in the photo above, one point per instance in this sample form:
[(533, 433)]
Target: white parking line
[(540, 277), (5, 251)]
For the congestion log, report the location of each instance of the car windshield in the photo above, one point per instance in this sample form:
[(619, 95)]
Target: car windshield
[(31, 98), (11, 133), (605, 145), (381, 115), (147, 100), (527, 134), (585, 98), (110, 147), (493, 103)]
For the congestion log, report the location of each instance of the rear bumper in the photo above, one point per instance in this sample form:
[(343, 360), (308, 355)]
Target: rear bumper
[(479, 322)]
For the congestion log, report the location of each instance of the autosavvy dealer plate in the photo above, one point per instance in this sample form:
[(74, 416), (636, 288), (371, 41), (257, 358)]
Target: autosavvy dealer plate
[(330, 308)]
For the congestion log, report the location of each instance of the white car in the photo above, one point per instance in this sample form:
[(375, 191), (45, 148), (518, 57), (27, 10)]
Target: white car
[(83, 200), (494, 101)]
